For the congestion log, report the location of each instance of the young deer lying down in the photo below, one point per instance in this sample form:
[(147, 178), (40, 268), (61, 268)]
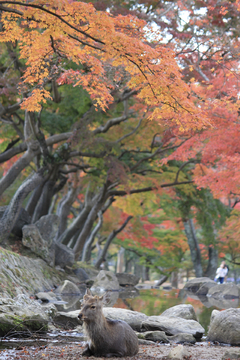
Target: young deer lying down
[(107, 338)]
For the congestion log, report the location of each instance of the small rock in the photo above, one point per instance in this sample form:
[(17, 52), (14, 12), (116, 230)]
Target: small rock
[(182, 338), (231, 354), (178, 353)]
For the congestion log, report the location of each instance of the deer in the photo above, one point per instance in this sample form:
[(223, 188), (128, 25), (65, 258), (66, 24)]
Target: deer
[(106, 337)]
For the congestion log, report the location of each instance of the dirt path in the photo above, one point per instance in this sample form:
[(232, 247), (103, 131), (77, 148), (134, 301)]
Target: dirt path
[(53, 351)]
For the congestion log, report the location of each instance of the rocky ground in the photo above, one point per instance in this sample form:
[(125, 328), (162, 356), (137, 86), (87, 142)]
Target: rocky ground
[(54, 351)]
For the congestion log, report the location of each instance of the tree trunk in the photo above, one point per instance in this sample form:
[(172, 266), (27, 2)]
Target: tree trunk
[(77, 225), (194, 247), (87, 247), (102, 256), (11, 214), (64, 208), (120, 260), (212, 262), (87, 227), (34, 198), (44, 202)]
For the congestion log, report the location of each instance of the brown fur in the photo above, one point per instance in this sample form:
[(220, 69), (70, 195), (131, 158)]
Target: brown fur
[(107, 338)]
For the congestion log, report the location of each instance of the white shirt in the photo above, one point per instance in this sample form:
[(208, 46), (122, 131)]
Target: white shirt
[(221, 272)]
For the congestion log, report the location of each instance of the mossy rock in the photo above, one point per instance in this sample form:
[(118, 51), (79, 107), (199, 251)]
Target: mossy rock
[(10, 323)]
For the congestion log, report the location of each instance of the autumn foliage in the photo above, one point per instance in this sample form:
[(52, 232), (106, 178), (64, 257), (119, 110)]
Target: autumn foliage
[(76, 31)]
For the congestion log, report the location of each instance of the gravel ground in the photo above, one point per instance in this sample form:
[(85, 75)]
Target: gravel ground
[(54, 351)]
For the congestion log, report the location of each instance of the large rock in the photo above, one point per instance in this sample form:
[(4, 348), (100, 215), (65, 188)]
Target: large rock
[(204, 288), (223, 303), (81, 275), (182, 338), (21, 274), (69, 293), (48, 227), (133, 318), (154, 336), (125, 279), (225, 327), (224, 296), (22, 313), (173, 325), (39, 237), (225, 291), (67, 320), (106, 281), (185, 311), (194, 285), (32, 239), (64, 256), (67, 288)]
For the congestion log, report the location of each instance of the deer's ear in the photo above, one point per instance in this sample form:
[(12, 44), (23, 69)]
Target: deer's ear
[(88, 292), (87, 295)]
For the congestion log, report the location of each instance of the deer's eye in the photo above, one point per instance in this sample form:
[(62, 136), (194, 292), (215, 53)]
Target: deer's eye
[(93, 307)]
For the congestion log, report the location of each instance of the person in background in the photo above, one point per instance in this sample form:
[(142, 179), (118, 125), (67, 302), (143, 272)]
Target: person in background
[(225, 266), (221, 273)]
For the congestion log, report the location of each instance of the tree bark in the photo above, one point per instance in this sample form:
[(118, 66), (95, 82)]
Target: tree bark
[(90, 221), (194, 247), (44, 201), (64, 208), (11, 214), (212, 262), (86, 256)]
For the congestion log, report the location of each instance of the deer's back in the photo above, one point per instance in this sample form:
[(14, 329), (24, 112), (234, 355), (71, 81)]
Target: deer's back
[(115, 337)]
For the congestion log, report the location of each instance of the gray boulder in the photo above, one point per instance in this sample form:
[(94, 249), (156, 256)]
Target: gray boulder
[(133, 318), (81, 274), (204, 288), (224, 291), (22, 313), (125, 279), (173, 325), (194, 285), (32, 239), (225, 327), (67, 320), (105, 280), (48, 227), (224, 296), (154, 336), (69, 293), (67, 288), (185, 311), (64, 256), (46, 296)]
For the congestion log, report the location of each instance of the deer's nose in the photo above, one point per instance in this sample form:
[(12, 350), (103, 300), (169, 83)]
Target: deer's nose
[(80, 316)]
